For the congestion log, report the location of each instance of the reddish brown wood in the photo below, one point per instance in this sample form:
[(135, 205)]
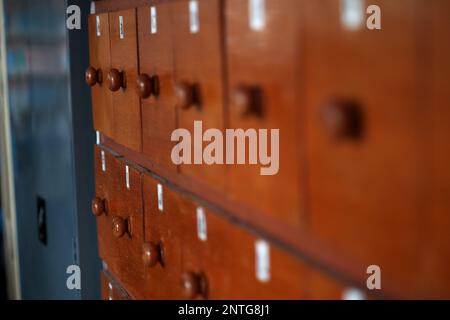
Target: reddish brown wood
[(120, 243), (199, 64), (366, 195), (124, 58), (156, 61), (263, 69), (164, 229), (99, 56)]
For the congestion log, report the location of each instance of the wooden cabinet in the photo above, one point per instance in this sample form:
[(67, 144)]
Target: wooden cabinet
[(361, 113), (264, 94)]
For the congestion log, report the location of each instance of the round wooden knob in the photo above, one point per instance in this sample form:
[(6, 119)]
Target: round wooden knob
[(342, 119), (120, 227), (92, 76), (190, 285), (144, 86), (242, 100), (115, 80), (97, 206), (184, 95), (150, 254)]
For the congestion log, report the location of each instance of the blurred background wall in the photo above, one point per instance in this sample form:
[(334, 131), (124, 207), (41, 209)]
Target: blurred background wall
[(51, 168)]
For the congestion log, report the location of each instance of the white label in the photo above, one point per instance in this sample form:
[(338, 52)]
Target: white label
[(202, 232), (153, 20), (97, 137), (352, 14), (92, 11), (160, 198), (121, 31), (110, 291), (257, 14), (127, 177), (353, 294), (103, 161), (262, 252), (193, 16), (97, 19)]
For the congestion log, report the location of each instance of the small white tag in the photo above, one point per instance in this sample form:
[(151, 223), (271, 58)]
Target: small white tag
[(262, 252), (201, 224), (92, 11), (353, 294), (127, 177), (97, 19), (153, 20), (193, 16), (121, 31), (257, 14), (160, 198), (110, 291), (97, 137), (352, 14), (103, 161)]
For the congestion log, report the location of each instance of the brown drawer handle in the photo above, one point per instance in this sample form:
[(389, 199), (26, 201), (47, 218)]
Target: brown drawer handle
[(342, 119), (147, 86), (97, 206), (151, 254), (93, 76), (247, 100), (186, 95), (116, 80), (120, 226), (193, 285)]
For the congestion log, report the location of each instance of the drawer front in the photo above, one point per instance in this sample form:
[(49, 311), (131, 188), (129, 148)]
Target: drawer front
[(363, 129), (110, 288), (234, 264), (199, 76), (156, 83), (122, 78), (263, 67), (163, 240), (100, 61), (120, 223)]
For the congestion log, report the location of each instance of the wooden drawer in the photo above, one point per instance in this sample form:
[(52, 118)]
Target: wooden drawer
[(365, 157), (118, 205), (100, 62), (199, 89), (225, 257), (156, 83), (122, 78), (163, 240), (111, 290), (263, 72)]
